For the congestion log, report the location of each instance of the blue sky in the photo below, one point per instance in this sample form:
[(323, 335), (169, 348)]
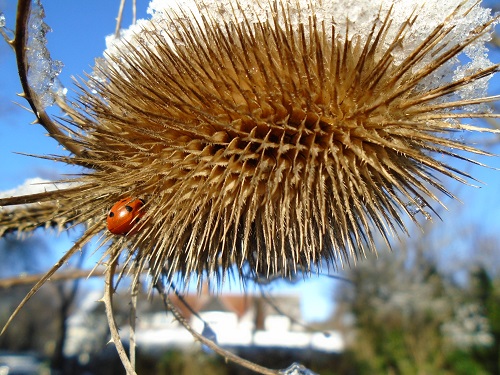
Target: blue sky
[(78, 38)]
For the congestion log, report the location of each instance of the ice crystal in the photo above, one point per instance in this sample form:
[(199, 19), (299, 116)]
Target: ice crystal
[(416, 206), (42, 70), (297, 369)]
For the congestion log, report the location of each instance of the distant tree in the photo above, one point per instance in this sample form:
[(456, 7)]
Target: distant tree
[(409, 316), (397, 310), (486, 291)]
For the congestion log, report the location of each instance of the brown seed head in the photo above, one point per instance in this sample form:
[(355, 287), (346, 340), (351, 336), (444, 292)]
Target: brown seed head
[(271, 145)]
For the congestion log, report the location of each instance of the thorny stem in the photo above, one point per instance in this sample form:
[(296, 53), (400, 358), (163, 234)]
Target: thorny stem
[(188, 306), (209, 343), (19, 43), (108, 303)]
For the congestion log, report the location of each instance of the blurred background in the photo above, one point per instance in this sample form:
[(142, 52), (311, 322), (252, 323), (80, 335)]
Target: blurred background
[(431, 305)]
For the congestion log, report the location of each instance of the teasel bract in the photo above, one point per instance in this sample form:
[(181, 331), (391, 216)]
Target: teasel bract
[(270, 136)]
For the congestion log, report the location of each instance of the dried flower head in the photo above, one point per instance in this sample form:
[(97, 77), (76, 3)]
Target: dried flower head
[(273, 136)]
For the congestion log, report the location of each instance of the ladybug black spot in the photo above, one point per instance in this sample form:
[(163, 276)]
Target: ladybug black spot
[(129, 208), (111, 214)]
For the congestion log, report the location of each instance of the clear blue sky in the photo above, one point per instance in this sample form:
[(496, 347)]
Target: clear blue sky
[(78, 37)]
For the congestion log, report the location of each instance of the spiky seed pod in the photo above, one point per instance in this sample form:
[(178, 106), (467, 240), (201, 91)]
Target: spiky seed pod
[(274, 142)]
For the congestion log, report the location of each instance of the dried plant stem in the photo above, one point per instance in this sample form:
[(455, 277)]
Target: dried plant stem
[(133, 311), (119, 18), (108, 303), (265, 296), (212, 345), (20, 47), (134, 12)]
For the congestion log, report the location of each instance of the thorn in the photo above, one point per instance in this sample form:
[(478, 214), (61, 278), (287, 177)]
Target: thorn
[(22, 95), (35, 122), (100, 300), (22, 106)]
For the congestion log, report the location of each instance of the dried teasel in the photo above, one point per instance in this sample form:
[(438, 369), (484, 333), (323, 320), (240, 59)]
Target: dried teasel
[(271, 136)]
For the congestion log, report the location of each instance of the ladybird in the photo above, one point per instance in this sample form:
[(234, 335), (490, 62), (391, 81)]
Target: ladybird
[(124, 215)]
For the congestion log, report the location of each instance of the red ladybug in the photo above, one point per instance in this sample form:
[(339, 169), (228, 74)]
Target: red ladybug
[(124, 215)]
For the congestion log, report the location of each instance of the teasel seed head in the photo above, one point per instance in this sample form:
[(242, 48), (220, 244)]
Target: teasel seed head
[(275, 137)]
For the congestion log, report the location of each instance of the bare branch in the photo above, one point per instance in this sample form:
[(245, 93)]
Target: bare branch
[(59, 276), (119, 19)]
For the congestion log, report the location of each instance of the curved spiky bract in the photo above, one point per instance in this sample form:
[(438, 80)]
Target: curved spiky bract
[(277, 142)]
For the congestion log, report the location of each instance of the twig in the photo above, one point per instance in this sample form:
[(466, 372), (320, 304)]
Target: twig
[(271, 303), (133, 312), (62, 275), (209, 343), (184, 302), (108, 302), (119, 19), (134, 12)]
